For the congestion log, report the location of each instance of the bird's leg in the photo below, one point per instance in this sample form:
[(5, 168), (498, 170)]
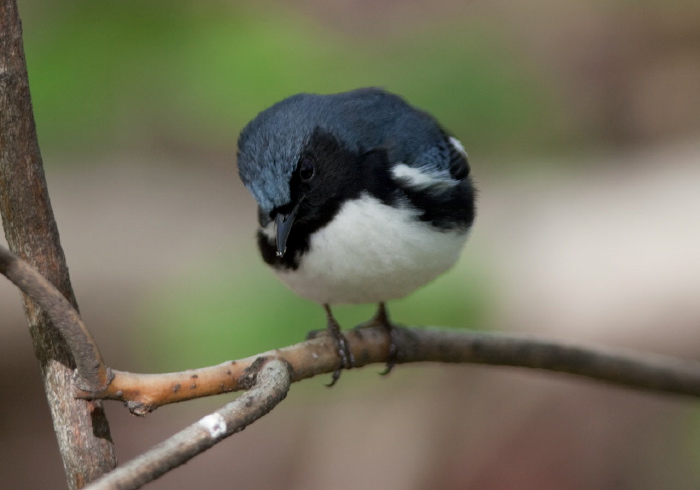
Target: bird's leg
[(381, 318), (347, 360)]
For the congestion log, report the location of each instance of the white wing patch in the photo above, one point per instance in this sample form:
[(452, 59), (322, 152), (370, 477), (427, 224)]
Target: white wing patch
[(422, 179), (458, 146)]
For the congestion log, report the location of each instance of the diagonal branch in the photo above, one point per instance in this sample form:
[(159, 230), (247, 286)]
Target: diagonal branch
[(92, 374), (270, 382)]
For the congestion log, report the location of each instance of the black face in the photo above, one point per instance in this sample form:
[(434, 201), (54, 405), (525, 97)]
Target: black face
[(328, 173)]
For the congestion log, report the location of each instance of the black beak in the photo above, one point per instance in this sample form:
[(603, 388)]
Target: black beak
[(284, 224)]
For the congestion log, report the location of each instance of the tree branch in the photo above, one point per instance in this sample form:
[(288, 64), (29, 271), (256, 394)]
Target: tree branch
[(270, 382), (92, 374), (145, 392), (81, 427)]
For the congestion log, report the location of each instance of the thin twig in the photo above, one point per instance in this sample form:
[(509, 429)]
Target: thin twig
[(644, 371), (272, 382)]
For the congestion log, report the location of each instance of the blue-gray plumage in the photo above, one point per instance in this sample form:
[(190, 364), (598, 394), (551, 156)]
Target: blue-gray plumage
[(363, 119), (362, 198)]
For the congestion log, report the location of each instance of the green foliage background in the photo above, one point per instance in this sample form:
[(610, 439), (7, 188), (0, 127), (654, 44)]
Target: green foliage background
[(115, 74)]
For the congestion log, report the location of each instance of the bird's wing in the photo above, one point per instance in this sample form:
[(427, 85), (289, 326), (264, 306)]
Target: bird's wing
[(458, 159), (443, 160)]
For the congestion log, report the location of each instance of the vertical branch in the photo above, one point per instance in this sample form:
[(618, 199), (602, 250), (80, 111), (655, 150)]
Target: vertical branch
[(81, 426)]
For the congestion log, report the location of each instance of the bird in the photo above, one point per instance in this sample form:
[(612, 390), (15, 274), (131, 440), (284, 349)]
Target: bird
[(362, 198)]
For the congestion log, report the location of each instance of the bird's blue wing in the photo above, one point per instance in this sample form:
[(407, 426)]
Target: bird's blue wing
[(445, 156)]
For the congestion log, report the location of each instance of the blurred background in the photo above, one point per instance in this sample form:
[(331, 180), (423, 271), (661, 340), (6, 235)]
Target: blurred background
[(582, 121)]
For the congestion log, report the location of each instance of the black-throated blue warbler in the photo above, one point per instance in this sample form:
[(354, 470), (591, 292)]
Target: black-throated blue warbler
[(362, 198)]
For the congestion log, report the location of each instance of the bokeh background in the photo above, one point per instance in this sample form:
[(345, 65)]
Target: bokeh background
[(582, 120)]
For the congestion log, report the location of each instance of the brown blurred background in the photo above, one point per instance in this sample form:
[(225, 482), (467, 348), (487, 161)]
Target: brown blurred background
[(582, 120)]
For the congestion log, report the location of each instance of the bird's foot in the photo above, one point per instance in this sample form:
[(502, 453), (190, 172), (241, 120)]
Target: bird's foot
[(381, 318), (347, 360)]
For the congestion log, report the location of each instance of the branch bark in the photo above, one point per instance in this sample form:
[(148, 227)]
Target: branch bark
[(270, 383), (143, 393), (91, 373), (81, 427)]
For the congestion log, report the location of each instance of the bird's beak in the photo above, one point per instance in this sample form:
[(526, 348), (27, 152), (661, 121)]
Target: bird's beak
[(284, 224)]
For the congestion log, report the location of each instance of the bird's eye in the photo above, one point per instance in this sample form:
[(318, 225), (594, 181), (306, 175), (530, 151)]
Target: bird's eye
[(306, 169)]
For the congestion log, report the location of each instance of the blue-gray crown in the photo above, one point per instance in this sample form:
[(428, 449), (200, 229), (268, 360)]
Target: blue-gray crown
[(270, 146)]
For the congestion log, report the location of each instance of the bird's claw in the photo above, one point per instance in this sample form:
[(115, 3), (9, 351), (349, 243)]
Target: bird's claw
[(381, 319), (347, 360), (393, 349)]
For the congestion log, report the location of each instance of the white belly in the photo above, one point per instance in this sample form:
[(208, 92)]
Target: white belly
[(371, 252)]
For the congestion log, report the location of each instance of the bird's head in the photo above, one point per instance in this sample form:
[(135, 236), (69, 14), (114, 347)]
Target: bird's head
[(295, 164)]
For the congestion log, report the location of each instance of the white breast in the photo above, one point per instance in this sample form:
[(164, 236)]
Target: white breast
[(372, 252)]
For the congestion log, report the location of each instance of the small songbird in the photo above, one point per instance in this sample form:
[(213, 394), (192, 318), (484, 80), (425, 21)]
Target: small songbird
[(362, 198)]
